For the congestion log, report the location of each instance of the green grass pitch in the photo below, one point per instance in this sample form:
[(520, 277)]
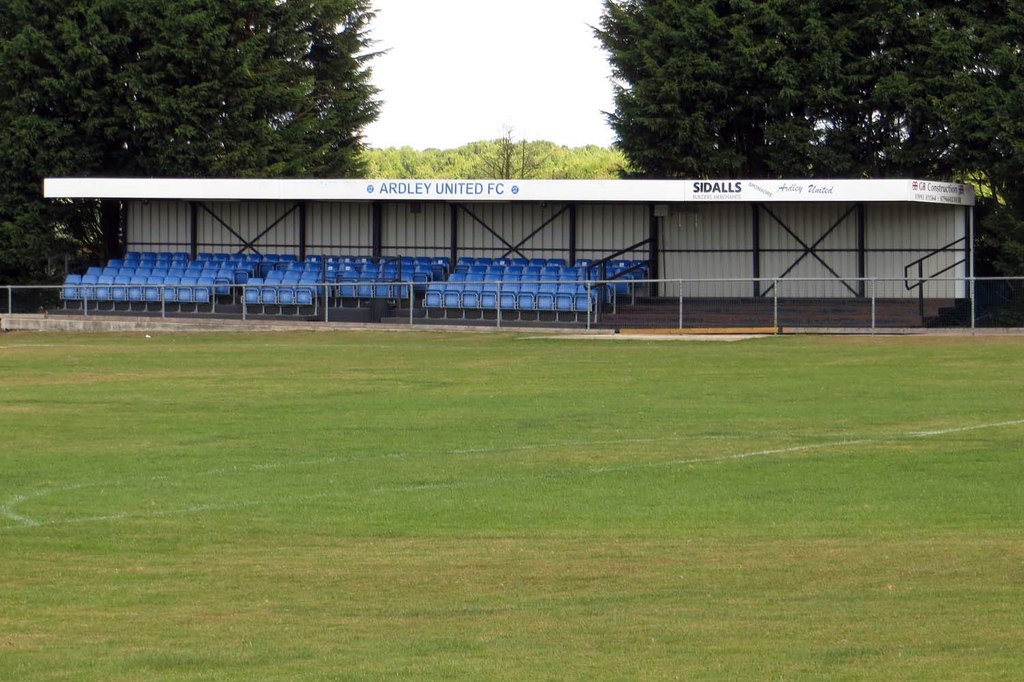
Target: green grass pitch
[(364, 505)]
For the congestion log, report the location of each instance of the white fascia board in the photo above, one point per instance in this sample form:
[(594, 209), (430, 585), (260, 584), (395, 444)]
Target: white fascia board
[(471, 191)]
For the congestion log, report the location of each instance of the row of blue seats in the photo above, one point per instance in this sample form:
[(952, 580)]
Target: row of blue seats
[(239, 267), (139, 290), (531, 296)]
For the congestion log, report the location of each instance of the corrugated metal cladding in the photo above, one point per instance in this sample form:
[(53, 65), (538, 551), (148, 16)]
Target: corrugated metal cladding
[(157, 226), (492, 230), (697, 241), (707, 241), (265, 226), (415, 229), (339, 228), (789, 230), (602, 229), (715, 241)]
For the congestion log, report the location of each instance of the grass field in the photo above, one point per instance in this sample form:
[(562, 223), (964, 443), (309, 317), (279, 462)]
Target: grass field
[(364, 505)]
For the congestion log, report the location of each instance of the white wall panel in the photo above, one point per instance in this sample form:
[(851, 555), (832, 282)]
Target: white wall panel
[(339, 229), (250, 220), (157, 226), (415, 229), (513, 223), (602, 229)]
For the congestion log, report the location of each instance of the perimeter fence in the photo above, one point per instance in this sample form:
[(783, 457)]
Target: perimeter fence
[(868, 303)]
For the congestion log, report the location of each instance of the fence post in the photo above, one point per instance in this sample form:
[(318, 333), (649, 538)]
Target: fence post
[(590, 303), (973, 311), (497, 307), (680, 304), (245, 304), (775, 304), (874, 296), (10, 300), (327, 300), (412, 303)]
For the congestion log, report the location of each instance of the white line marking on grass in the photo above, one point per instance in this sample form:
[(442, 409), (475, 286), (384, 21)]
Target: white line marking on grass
[(7, 511), (22, 522)]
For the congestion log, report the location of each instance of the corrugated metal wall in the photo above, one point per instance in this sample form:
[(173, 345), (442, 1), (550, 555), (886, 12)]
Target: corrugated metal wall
[(495, 230), (415, 229), (339, 228), (157, 226), (716, 241), (602, 229), (708, 241), (702, 241), (268, 226)]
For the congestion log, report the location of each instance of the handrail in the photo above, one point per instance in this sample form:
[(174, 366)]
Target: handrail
[(919, 263)]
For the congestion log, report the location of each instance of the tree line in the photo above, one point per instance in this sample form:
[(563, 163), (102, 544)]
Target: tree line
[(151, 88), (930, 89), (824, 88), (502, 157)]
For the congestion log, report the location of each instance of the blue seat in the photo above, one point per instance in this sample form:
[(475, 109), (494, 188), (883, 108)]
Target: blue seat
[(470, 296), (584, 300), (285, 295), (433, 297), (251, 294), (136, 286), (546, 296), (508, 297), (186, 290), (268, 294), (103, 283), (203, 292), (453, 294), (170, 288), (489, 296), (565, 298), (119, 290), (526, 299), (71, 290), (151, 292)]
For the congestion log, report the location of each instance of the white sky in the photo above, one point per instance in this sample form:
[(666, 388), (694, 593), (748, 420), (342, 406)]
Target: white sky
[(459, 71)]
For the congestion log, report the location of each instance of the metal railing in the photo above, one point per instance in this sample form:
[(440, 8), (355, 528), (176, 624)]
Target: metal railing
[(613, 304)]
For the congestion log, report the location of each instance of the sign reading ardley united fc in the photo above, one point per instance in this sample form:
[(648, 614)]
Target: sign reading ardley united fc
[(563, 191)]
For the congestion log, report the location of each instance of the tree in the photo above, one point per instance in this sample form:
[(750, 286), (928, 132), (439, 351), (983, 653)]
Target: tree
[(198, 88), (508, 159), (873, 88), (710, 88)]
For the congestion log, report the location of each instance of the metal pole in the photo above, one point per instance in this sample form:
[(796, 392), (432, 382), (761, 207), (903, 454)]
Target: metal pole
[(412, 303), (680, 304), (244, 302), (327, 293), (10, 300), (874, 295), (970, 245), (590, 305), (775, 303), (497, 305)]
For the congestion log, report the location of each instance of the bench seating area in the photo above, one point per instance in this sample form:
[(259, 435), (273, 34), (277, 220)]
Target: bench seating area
[(534, 286), (280, 282), (253, 279)]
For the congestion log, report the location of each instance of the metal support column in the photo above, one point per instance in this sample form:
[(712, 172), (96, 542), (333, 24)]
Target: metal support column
[(653, 247), (377, 229), (861, 267), (755, 247), (193, 230), (969, 217), (302, 231), (572, 234), (453, 223)]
